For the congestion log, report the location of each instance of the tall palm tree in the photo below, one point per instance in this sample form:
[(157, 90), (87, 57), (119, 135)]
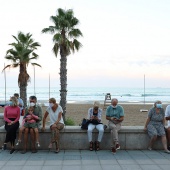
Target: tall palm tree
[(21, 54), (65, 41)]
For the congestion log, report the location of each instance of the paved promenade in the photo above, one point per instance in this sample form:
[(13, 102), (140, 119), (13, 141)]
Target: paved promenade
[(86, 160)]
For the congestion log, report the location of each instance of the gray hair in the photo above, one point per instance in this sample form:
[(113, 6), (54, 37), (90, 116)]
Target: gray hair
[(114, 99)]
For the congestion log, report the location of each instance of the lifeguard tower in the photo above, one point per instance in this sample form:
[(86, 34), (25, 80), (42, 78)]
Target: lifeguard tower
[(107, 101)]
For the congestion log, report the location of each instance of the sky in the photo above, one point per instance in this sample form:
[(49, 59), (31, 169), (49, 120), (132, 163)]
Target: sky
[(122, 41)]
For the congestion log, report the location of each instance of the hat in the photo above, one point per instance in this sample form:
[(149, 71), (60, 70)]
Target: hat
[(96, 104)]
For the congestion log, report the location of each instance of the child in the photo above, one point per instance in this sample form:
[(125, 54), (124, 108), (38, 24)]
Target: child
[(29, 122)]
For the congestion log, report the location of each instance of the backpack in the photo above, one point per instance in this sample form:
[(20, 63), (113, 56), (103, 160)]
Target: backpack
[(84, 124)]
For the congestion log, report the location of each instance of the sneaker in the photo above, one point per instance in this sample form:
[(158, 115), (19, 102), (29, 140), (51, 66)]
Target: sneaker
[(149, 148), (19, 141), (114, 150), (38, 144), (4, 146), (167, 151), (12, 150), (57, 150), (117, 146)]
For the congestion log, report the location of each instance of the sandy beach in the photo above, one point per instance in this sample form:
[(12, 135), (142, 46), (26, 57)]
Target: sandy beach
[(133, 116)]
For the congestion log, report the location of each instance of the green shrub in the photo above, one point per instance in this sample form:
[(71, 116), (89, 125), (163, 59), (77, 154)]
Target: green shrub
[(69, 122)]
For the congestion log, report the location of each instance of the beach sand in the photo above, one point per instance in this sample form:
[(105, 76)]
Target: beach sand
[(133, 116)]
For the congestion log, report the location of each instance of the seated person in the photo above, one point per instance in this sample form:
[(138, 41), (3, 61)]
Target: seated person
[(30, 123), (94, 117), (155, 125)]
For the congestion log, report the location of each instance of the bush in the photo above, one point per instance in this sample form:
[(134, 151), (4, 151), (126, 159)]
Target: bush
[(69, 122)]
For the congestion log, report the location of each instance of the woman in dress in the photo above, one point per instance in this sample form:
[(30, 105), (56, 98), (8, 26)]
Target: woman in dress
[(56, 122), (11, 117), (155, 125)]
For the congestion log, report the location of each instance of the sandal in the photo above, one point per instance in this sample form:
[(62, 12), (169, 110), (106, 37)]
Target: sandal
[(4, 146), (91, 146), (97, 146), (57, 150)]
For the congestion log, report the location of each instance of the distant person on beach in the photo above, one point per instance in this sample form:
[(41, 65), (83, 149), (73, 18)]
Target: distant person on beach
[(11, 117), (167, 117), (20, 102), (56, 123), (155, 125), (30, 123), (94, 118), (38, 113), (115, 115)]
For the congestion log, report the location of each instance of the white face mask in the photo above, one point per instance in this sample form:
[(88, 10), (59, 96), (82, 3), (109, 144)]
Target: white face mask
[(32, 104), (51, 104), (114, 106)]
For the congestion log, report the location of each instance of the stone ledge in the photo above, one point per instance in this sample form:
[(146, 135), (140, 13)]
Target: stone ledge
[(73, 137)]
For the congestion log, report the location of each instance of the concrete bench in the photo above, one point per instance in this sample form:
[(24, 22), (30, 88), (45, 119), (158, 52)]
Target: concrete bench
[(74, 138)]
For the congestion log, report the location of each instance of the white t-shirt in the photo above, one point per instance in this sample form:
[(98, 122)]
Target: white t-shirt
[(167, 114), (54, 115)]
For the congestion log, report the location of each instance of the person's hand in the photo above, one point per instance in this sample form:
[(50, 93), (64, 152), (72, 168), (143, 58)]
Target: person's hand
[(43, 129), (113, 118)]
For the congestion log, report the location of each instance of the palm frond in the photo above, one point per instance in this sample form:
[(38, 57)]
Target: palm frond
[(55, 49), (77, 44), (35, 64)]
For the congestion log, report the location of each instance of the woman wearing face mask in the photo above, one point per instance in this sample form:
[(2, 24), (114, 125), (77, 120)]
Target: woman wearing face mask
[(56, 122), (11, 117), (155, 125)]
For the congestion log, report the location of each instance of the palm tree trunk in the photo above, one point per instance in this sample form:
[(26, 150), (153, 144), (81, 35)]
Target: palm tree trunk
[(22, 82), (63, 82)]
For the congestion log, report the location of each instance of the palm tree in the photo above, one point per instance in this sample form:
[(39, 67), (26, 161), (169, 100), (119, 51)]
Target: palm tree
[(65, 41), (21, 54)]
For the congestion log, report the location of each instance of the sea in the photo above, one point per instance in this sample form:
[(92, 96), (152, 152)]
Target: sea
[(89, 94)]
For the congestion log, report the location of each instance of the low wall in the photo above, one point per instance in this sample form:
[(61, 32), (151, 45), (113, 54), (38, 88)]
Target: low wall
[(74, 138)]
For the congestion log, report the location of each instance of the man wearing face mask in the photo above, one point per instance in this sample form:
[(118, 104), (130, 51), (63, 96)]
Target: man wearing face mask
[(155, 125), (38, 113), (115, 115)]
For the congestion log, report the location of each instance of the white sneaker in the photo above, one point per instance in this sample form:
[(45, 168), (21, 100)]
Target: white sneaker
[(38, 144), (149, 148), (167, 151), (19, 141)]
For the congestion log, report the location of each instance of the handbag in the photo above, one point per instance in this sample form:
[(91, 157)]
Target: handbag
[(84, 124)]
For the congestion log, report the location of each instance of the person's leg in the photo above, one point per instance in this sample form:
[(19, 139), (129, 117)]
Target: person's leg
[(89, 133), (152, 140), (59, 126), (37, 136), (26, 130), (32, 134), (100, 128), (20, 135), (164, 142), (168, 137)]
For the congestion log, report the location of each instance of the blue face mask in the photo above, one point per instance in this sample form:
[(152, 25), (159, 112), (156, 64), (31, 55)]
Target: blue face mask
[(10, 103), (158, 105)]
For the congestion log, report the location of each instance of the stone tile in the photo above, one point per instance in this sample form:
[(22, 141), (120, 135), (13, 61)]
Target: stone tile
[(89, 157), (110, 167), (18, 162), (164, 167), (90, 162), (72, 157), (71, 162), (2, 162), (72, 152), (11, 167), (108, 162), (106, 157), (87, 152), (53, 162), (29, 167), (74, 167), (161, 161), (34, 163), (127, 162), (130, 167), (52, 167), (144, 161), (92, 166), (150, 167)]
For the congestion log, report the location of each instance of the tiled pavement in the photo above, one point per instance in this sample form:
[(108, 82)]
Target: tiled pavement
[(86, 160)]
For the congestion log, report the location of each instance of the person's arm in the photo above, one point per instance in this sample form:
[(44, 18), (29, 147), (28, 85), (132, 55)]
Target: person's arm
[(146, 124), (59, 117), (88, 115), (40, 114), (44, 120), (18, 115), (5, 115), (167, 113)]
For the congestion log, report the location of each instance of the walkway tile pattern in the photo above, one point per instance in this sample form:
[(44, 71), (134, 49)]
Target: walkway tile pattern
[(85, 160)]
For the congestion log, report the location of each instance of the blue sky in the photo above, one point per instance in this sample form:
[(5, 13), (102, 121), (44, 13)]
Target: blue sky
[(122, 40)]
